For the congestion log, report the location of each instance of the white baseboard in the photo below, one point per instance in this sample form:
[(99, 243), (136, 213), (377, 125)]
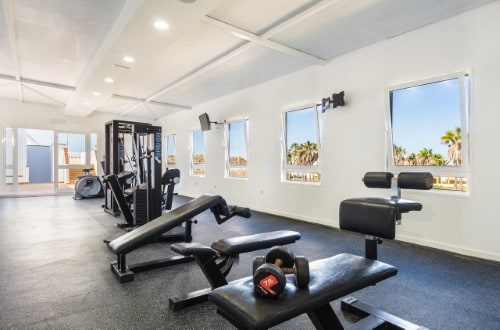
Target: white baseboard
[(450, 248), (433, 244)]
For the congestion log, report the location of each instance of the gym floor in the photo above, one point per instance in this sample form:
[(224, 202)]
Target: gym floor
[(55, 273)]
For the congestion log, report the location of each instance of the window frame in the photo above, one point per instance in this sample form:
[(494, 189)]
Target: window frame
[(462, 170), (191, 154), (301, 168), (227, 144)]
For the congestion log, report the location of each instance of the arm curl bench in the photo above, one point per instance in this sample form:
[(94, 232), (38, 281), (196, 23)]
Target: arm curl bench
[(216, 261), (153, 229), (337, 276)]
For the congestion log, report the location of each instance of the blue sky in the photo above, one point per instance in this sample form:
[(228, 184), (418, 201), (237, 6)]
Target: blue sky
[(421, 115), (237, 141), (198, 142), (300, 126), (171, 144)]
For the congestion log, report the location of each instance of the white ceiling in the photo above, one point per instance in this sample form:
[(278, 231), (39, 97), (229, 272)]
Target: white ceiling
[(58, 52)]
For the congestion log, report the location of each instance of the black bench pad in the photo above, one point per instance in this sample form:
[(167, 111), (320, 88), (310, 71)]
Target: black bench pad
[(331, 278), (242, 244), (153, 229), (374, 215), (195, 249)]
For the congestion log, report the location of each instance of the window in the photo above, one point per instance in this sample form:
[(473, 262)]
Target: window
[(197, 153), (302, 145), (170, 141), (237, 149), (429, 129)]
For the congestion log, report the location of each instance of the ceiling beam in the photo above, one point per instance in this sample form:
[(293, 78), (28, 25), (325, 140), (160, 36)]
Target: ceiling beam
[(238, 32), (11, 31), (295, 19), (138, 100), (10, 18), (37, 82), (43, 95)]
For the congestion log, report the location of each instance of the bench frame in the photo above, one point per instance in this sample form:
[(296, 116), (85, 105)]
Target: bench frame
[(216, 267), (390, 210), (150, 232)]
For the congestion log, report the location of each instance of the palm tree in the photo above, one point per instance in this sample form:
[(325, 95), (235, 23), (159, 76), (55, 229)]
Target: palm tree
[(424, 156), (308, 154), (292, 153), (453, 138), (438, 160), (412, 159), (399, 155)]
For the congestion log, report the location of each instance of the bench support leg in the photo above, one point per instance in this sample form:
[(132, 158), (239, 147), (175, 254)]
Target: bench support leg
[(325, 318), (125, 273), (120, 269), (214, 276), (356, 307)]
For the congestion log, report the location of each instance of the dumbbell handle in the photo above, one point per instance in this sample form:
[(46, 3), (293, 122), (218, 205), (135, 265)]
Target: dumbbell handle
[(278, 262)]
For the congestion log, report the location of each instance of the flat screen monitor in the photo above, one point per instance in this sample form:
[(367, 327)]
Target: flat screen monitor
[(204, 122)]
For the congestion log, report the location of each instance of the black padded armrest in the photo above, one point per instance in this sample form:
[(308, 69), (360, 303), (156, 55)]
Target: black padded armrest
[(331, 279), (153, 229), (405, 205), (236, 245), (196, 249)]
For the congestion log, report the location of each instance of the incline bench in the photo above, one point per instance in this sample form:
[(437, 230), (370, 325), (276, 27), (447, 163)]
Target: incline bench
[(154, 229), (337, 276)]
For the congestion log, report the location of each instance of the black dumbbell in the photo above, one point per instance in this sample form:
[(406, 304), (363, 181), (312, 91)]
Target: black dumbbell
[(269, 271)]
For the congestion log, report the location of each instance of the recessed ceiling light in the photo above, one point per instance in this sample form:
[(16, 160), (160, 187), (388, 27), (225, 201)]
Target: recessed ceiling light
[(96, 94), (128, 59), (189, 1), (109, 80), (160, 25)]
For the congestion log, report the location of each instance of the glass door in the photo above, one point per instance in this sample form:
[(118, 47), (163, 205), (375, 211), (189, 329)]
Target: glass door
[(71, 160), (35, 161), (10, 159)]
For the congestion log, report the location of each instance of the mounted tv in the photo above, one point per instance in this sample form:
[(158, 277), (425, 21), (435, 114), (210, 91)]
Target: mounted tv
[(204, 122)]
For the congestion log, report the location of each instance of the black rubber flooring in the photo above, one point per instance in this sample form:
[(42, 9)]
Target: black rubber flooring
[(55, 273)]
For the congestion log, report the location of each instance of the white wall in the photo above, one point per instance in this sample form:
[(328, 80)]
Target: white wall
[(353, 140)]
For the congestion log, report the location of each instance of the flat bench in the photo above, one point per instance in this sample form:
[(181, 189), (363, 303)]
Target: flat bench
[(331, 278), (216, 261), (155, 228)]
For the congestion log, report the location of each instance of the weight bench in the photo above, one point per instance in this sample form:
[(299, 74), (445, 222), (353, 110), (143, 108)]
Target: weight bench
[(337, 276), (155, 228), (216, 261)]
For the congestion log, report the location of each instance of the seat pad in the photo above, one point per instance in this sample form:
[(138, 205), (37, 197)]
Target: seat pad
[(331, 278), (242, 244)]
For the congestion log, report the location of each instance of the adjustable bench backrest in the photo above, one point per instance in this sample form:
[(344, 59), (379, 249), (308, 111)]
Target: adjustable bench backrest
[(153, 229)]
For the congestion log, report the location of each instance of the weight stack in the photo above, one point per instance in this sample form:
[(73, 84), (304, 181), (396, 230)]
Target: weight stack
[(140, 206)]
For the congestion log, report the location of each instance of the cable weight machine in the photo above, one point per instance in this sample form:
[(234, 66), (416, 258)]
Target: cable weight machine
[(132, 165)]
